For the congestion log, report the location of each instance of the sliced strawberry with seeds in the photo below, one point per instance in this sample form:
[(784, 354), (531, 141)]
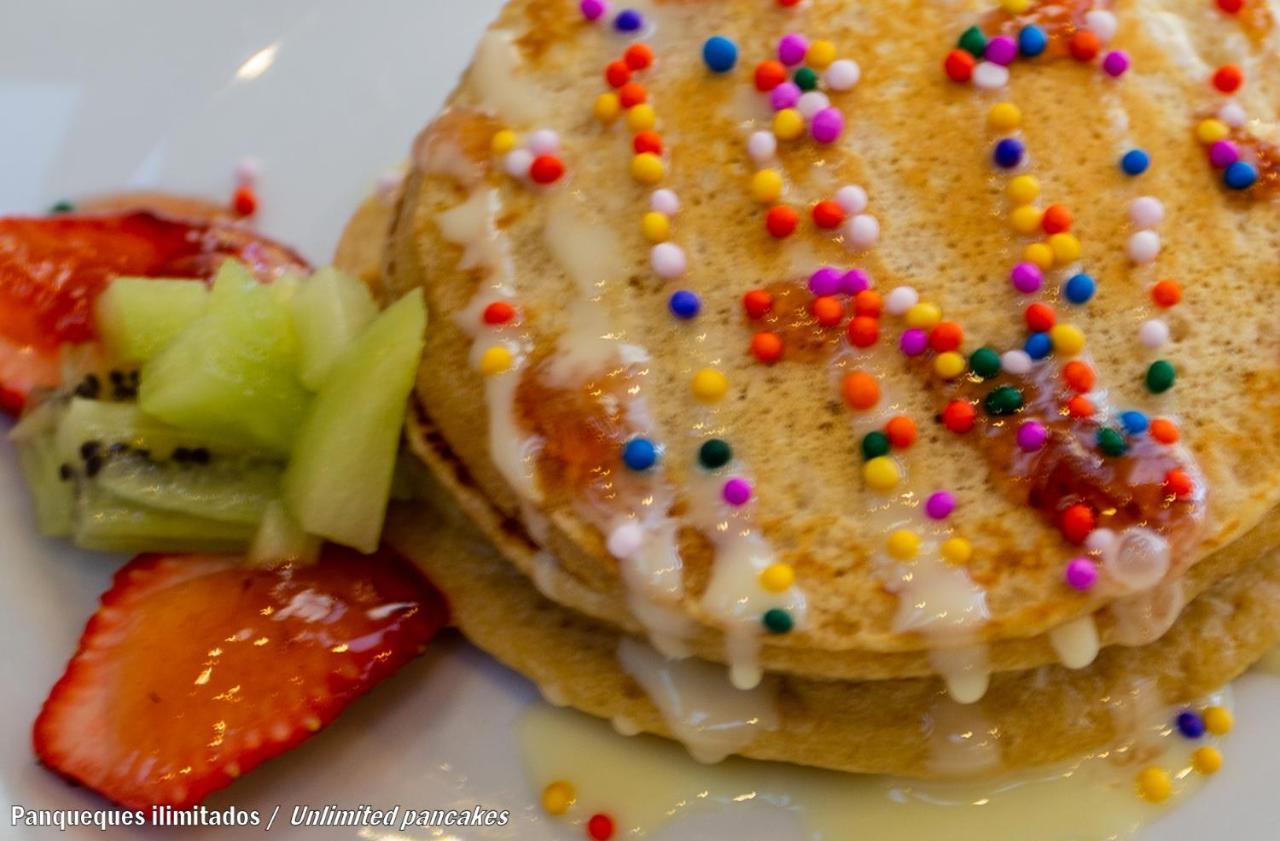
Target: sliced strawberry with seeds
[(195, 668), (52, 270)]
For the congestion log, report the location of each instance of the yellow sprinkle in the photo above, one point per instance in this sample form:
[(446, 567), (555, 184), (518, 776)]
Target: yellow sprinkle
[(1068, 339), (656, 226), (1004, 116), (1025, 219), (1015, 7), (495, 360), (710, 385), (1211, 131), (766, 186), (881, 473), (558, 797), (949, 365), (821, 53), (1218, 720), (788, 124), (1207, 760), (641, 117), (1154, 785), (923, 315), (503, 141), (956, 550), (1066, 248), (1023, 189), (903, 544), (777, 577), (1039, 253), (647, 168), (607, 107)]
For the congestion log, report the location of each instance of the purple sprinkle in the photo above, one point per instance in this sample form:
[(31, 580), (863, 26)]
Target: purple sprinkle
[(1115, 63), (1081, 573), (913, 341), (1031, 436), (1026, 277), (1223, 154), (785, 95), (791, 48), (592, 9), (825, 281), (736, 491), (1001, 50), (854, 281), (939, 505), (827, 125)]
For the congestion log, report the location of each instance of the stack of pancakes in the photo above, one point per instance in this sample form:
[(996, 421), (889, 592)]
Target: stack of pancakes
[(552, 550)]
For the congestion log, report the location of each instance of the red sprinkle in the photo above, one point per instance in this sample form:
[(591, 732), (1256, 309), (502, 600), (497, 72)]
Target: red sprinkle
[(945, 336), (1231, 6), (1078, 375), (638, 56), (788, 3), (499, 312), (863, 331), (757, 303), (1228, 78), (828, 309), (600, 827), (1040, 317), (781, 221), (1166, 293), (1076, 522), (959, 416), (632, 94), (1056, 219), (767, 347), (617, 74), (647, 141), (1080, 407), (1178, 483), (959, 66), (244, 201), (868, 303), (1084, 45), (546, 169), (828, 214), (901, 431), (769, 74)]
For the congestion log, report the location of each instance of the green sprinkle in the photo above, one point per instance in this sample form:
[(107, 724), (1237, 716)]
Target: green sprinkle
[(714, 453), (63, 206), (1112, 442), (973, 41), (1160, 376), (777, 620), (806, 78), (1004, 400), (874, 445), (985, 362)]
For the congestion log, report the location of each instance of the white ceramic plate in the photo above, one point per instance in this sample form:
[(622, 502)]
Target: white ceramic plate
[(327, 95)]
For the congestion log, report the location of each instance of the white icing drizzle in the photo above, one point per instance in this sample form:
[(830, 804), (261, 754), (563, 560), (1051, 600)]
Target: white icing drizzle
[(1076, 642), (499, 82), (962, 743), (705, 712), (1144, 617)]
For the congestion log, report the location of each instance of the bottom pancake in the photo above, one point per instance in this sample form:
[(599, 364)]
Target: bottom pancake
[(903, 727)]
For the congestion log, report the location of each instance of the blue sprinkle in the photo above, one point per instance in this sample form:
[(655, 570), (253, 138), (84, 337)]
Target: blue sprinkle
[(1241, 175), (684, 304), (1080, 288), (1135, 162), (640, 454), (1008, 153), (1038, 345), (1032, 41), (1135, 423), (1190, 724), (720, 54), (628, 20)]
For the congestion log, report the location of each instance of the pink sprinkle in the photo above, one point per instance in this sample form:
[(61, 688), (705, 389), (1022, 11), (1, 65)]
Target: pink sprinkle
[(827, 125), (825, 281), (1031, 436), (939, 505), (1026, 277), (913, 341), (854, 281), (736, 491), (791, 48), (1001, 50), (1115, 63), (1081, 573), (592, 9), (785, 95), (1223, 154)]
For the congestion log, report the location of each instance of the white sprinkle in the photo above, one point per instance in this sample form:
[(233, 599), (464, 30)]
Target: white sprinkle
[(1232, 113), (900, 299), (668, 260), (517, 163), (1101, 23), (990, 76), (852, 198), (664, 201), (248, 170), (1100, 540), (1153, 333), (811, 102), (862, 231), (842, 74), (1146, 211), (1144, 246), (1016, 362), (544, 141), (762, 146), (625, 540)]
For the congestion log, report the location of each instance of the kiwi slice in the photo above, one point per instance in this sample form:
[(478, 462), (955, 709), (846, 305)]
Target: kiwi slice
[(231, 491), (53, 492), (106, 523), (107, 424)]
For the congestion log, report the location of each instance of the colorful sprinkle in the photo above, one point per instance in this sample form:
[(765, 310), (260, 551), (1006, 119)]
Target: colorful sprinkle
[(767, 347), (1032, 41), (874, 445), (901, 431), (1160, 376), (592, 9), (777, 577), (827, 125), (1003, 400), (667, 260), (1115, 63), (1207, 760), (1079, 288), (881, 473), (495, 360), (1081, 574), (959, 416), (1218, 720), (1008, 153), (1111, 442), (956, 550), (1031, 436), (781, 221), (985, 362), (1240, 175), (720, 54), (736, 491), (499, 312), (714, 453), (1190, 724), (1134, 422), (860, 390), (628, 20), (1135, 162), (647, 168), (757, 303), (939, 505), (902, 544), (1154, 785), (558, 797), (639, 454), (842, 75), (600, 826), (684, 304), (710, 385), (777, 621), (792, 48)]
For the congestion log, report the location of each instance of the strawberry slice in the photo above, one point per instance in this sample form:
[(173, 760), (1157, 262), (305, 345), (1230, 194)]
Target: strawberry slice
[(197, 668), (52, 269)]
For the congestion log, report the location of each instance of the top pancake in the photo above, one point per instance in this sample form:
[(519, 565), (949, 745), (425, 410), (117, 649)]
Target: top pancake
[(918, 144)]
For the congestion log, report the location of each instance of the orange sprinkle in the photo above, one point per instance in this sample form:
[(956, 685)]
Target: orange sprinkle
[(1166, 293), (617, 74), (828, 310), (1178, 483), (868, 303), (638, 56), (767, 347), (860, 390), (1079, 375), (647, 141), (1056, 219), (901, 431), (632, 94), (1080, 407), (1164, 431), (946, 336), (863, 331), (1084, 45)]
